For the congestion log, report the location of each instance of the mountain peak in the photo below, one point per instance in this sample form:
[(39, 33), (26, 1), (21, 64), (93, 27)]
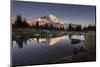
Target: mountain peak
[(51, 16), (52, 19), (55, 19)]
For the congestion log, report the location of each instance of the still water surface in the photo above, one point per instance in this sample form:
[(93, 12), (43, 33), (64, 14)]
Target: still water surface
[(37, 50)]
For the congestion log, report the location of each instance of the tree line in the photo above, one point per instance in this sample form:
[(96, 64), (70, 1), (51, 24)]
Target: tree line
[(19, 23), (79, 28)]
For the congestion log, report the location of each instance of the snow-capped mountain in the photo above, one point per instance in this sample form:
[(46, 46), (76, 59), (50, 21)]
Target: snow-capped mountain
[(50, 19)]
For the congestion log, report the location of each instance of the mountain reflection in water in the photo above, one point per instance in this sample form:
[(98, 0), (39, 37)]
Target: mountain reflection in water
[(37, 50), (50, 41)]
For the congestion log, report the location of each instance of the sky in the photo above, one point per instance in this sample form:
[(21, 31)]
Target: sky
[(69, 13)]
